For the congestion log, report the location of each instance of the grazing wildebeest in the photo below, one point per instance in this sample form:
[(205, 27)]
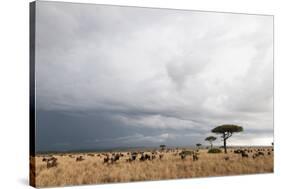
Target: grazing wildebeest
[(147, 157), (184, 153), (115, 158), (52, 162), (44, 159), (195, 157), (260, 153), (238, 151), (244, 154), (183, 156), (226, 158), (144, 157), (133, 157), (80, 158), (106, 159)]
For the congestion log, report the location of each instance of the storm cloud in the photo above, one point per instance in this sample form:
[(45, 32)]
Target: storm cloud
[(110, 76)]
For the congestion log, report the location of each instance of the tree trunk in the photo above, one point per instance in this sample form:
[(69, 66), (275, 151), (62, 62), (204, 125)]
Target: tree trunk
[(211, 145), (224, 145)]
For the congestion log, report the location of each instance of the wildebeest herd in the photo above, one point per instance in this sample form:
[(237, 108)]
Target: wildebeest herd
[(114, 157), (60, 169), (254, 153)]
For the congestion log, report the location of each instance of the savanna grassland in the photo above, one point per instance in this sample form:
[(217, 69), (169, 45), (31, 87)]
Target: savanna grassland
[(104, 167)]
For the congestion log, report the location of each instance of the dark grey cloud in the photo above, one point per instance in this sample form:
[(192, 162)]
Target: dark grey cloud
[(109, 76)]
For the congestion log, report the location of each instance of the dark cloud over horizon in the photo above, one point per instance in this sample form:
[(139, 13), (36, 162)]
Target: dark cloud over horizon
[(109, 76)]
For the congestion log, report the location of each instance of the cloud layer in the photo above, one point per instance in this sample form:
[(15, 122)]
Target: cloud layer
[(166, 72)]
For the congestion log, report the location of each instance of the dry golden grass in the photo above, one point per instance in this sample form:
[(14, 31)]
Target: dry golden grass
[(92, 170)]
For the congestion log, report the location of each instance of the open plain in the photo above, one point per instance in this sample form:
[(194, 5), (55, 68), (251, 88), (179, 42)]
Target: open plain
[(104, 167)]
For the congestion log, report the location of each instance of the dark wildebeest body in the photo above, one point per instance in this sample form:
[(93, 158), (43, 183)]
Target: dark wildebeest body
[(145, 157), (244, 155), (226, 158), (115, 158), (195, 157), (106, 159), (80, 158), (52, 162)]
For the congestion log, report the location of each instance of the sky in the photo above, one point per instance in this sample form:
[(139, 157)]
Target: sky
[(110, 76)]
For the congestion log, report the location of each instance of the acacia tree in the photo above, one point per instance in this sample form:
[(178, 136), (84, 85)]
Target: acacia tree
[(226, 131), (210, 139), (198, 145), (162, 146)]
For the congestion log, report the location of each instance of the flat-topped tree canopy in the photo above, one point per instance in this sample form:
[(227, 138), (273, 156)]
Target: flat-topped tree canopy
[(210, 138), (227, 128), (162, 146)]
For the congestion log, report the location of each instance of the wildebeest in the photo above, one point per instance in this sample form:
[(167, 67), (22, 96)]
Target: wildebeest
[(226, 158), (80, 158), (106, 159), (260, 153), (238, 151), (133, 157), (183, 156), (144, 157), (44, 159), (161, 156), (242, 152), (195, 157), (244, 155), (115, 157), (52, 162)]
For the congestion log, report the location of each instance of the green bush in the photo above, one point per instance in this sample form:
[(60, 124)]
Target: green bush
[(186, 153), (214, 150)]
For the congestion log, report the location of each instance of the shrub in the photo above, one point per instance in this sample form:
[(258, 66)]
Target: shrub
[(186, 153), (214, 150)]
